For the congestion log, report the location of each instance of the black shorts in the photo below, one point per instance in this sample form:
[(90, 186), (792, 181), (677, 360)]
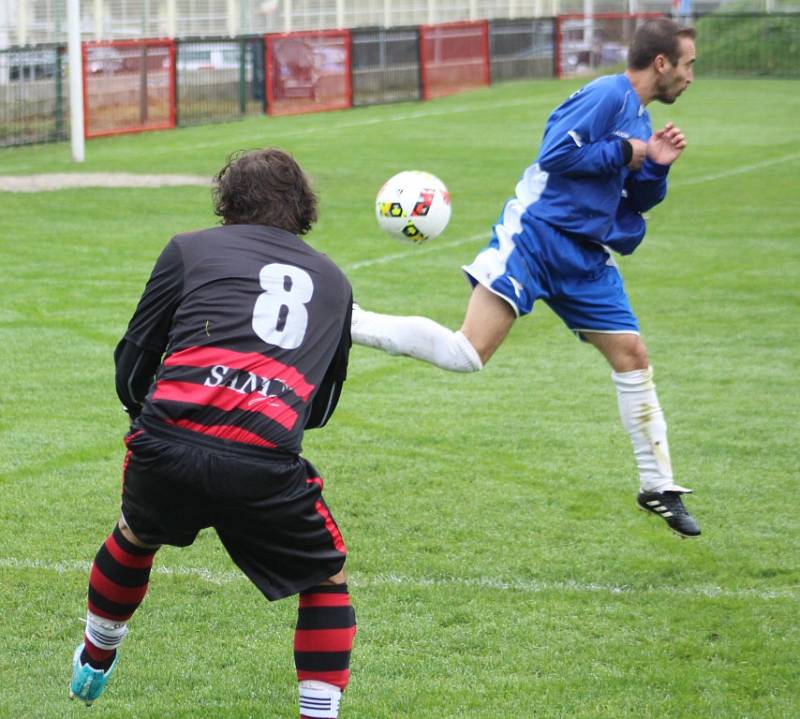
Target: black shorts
[(269, 513)]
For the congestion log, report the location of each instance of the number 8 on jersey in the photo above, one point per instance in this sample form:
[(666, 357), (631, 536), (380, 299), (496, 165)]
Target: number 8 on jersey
[(280, 316)]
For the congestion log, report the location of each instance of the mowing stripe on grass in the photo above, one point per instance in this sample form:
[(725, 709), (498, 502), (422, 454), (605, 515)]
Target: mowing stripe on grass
[(530, 586)]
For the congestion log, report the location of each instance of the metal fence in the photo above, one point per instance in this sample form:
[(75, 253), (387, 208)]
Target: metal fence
[(522, 48), (140, 85), (34, 95), (219, 79), (128, 86), (25, 22), (589, 45), (453, 57), (385, 65), (308, 72)]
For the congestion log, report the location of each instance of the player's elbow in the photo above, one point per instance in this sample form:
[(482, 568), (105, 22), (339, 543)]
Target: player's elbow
[(554, 165)]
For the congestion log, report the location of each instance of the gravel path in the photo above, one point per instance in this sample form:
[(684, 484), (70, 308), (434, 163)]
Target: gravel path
[(63, 181)]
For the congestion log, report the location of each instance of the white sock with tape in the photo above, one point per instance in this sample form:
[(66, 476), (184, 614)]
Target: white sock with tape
[(319, 700), (105, 633), (643, 418)]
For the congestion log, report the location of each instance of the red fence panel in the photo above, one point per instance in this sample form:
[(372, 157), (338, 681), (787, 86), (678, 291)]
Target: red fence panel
[(308, 72), (128, 86), (453, 57), (594, 44)]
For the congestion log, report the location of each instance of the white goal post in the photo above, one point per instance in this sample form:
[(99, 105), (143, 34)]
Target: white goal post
[(75, 79)]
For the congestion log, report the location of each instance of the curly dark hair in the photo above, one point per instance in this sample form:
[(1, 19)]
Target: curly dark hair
[(657, 37), (265, 187)]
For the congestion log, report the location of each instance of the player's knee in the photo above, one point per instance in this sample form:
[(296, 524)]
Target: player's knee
[(484, 353), (629, 353), (637, 355), (466, 357), (127, 532), (338, 578)]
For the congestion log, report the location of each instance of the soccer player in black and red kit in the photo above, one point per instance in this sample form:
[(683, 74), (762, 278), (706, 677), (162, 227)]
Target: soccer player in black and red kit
[(239, 343)]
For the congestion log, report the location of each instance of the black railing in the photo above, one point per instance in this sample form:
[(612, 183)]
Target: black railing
[(384, 65), (219, 79), (34, 101), (521, 49)]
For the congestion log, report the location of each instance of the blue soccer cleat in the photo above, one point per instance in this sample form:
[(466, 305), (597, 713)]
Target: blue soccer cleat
[(87, 682)]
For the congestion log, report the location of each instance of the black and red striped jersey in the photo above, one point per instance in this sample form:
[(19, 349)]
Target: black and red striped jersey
[(251, 329)]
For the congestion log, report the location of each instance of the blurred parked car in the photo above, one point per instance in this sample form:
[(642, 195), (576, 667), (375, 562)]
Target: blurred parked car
[(110, 60), (330, 60), (208, 57), (29, 64), (103, 60)]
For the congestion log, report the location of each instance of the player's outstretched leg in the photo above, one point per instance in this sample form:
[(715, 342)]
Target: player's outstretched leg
[(486, 323), (417, 337), (643, 418), (117, 585)]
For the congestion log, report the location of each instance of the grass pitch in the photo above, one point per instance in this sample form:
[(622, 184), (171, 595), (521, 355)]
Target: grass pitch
[(498, 565)]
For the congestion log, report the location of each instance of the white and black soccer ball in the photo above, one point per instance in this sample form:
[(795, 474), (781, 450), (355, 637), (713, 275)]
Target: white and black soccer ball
[(413, 206)]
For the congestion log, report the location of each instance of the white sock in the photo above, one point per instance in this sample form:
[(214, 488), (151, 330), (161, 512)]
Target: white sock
[(319, 700), (416, 337), (643, 418)]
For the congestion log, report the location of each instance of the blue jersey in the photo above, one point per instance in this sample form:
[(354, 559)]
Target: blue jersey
[(579, 183)]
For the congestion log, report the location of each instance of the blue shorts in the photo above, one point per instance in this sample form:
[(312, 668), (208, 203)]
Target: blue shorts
[(528, 260)]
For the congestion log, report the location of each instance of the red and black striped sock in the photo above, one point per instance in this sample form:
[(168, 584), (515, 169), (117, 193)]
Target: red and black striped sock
[(323, 640), (117, 585)]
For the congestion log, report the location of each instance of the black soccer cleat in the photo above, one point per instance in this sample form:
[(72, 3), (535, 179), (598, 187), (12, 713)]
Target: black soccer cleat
[(669, 506)]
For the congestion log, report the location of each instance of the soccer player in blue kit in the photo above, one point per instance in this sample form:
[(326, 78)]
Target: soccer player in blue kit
[(600, 166)]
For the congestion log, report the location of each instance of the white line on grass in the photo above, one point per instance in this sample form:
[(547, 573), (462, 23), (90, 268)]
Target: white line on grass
[(741, 170), (414, 252), (530, 586), (366, 122)]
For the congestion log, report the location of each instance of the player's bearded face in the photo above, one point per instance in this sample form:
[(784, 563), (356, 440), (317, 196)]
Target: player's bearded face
[(676, 78)]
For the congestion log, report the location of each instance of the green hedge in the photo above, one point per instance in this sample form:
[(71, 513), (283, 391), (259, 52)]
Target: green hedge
[(749, 45)]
